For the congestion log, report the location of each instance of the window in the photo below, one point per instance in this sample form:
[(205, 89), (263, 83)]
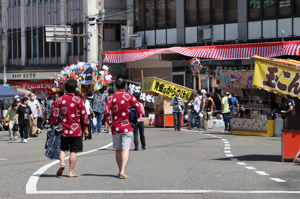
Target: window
[(171, 13), (204, 11), (231, 10), (269, 8), (190, 12), (149, 14), (285, 8), (14, 43), (139, 14), (160, 13), (217, 11), (111, 32), (297, 7)]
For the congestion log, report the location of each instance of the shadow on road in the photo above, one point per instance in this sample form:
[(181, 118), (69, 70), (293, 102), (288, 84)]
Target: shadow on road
[(101, 175), (256, 157)]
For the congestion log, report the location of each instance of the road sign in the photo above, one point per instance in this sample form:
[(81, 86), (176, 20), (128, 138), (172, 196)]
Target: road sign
[(52, 30)]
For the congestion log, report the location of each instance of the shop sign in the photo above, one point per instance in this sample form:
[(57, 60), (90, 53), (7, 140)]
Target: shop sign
[(137, 88), (234, 79), (277, 78), (166, 88), (33, 86)]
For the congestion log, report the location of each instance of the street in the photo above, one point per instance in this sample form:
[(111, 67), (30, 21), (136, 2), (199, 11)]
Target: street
[(185, 164)]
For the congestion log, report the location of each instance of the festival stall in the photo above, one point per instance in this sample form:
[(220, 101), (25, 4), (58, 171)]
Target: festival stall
[(254, 103), (282, 77), (164, 91)]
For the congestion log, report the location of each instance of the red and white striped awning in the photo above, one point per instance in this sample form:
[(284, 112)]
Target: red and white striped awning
[(236, 51)]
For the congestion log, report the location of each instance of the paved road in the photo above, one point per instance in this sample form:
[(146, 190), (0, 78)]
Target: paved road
[(182, 164)]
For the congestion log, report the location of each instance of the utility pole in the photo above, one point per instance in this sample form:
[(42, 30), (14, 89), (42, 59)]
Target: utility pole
[(101, 50)]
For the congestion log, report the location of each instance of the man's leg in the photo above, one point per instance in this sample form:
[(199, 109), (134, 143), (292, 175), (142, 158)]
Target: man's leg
[(125, 158), (99, 123), (119, 158), (10, 129), (62, 158), (193, 120), (136, 137), (200, 122), (204, 120), (179, 120), (142, 135), (225, 120), (30, 127), (175, 120), (229, 122), (72, 160)]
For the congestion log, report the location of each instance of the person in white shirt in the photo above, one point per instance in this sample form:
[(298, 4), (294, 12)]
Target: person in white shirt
[(35, 107), (90, 113), (196, 103)]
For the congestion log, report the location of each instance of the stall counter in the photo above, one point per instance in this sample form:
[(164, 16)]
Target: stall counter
[(290, 144)]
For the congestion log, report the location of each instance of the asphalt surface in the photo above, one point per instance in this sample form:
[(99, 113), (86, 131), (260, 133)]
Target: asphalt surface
[(183, 164)]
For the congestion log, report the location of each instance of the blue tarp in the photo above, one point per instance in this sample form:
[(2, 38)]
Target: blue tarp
[(8, 92)]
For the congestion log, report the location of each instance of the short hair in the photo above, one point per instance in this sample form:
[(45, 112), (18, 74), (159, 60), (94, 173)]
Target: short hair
[(71, 85), (104, 88), (101, 90), (24, 99), (60, 93), (89, 93), (14, 104), (111, 91), (208, 95), (288, 96), (137, 95), (50, 97), (76, 93), (120, 82)]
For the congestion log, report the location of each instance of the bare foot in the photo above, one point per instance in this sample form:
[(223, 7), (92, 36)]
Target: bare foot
[(72, 175)]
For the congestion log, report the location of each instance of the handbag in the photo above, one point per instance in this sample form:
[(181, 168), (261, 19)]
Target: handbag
[(94, 121), (15, 127)]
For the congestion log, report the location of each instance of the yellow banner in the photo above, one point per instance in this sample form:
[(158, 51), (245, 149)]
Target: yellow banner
[(277, 78), (166, 88)]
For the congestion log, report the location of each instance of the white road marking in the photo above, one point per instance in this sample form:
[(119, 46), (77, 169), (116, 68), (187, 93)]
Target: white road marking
[(241, 163), (32, 182), (250, 168), (164, 192), (226, 144), (262, 173), (224, 139), (227, 151), (226, 148), (3, 159), (229, 155), (277, 180), (234, 159)]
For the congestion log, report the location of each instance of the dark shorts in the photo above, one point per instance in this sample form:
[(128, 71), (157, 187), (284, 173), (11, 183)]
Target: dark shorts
[(72, 144)]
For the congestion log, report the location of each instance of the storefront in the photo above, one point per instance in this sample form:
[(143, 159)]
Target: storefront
[(164, 91)]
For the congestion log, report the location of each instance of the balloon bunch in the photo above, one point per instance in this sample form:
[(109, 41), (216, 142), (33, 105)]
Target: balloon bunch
[(76, 71)]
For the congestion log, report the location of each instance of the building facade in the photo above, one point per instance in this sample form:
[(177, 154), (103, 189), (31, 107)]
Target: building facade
[(169, 23), (23, 37)]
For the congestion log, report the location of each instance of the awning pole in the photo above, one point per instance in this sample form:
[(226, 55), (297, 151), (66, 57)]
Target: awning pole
[(199, 81)]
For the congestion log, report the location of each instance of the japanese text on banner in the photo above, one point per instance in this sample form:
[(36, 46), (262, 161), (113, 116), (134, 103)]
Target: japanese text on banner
[(234, 79), (277, 78)]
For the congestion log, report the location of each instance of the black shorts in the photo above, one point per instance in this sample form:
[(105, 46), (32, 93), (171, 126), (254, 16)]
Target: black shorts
[(72, 144)]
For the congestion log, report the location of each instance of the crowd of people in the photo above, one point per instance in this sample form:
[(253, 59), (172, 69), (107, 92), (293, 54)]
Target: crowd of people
[(201, 108)]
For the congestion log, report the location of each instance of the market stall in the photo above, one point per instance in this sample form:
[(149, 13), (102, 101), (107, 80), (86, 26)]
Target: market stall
[(164, 91), (254, 103), (282, 76)]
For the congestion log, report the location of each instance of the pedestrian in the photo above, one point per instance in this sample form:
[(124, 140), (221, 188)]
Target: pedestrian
[(122, 131), (210, 108), (90, 97), (35, 107), (203, 113), (105, 95), (23, 118), (98, 107), (233, 103), (18, 100), (196, 104), (225, 111), (90, 113), (40, 117), (74, 113), (110, 93), (189, 112), (11, 113), (140, 127), (177, 103), (290, 107)]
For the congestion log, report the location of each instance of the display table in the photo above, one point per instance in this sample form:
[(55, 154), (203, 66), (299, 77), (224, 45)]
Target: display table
[(243, 126), (290, 144)]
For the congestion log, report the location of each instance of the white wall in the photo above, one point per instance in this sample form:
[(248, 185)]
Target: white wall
[(254, 30), (161, 38), (231, 31), (269, 29), (218, 32), (190, 35)]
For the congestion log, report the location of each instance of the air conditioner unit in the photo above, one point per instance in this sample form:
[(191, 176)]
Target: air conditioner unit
[(204, 33), (125, 37), (136, 41)]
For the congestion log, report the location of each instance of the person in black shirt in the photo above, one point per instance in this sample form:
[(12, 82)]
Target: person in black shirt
[(23, 114), (290, 107)]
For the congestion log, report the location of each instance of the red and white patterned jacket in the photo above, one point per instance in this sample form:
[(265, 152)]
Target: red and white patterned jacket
[(73, 114), (118, 105)]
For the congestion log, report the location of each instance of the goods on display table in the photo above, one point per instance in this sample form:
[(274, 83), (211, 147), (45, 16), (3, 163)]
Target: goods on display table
[(164, 91)]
